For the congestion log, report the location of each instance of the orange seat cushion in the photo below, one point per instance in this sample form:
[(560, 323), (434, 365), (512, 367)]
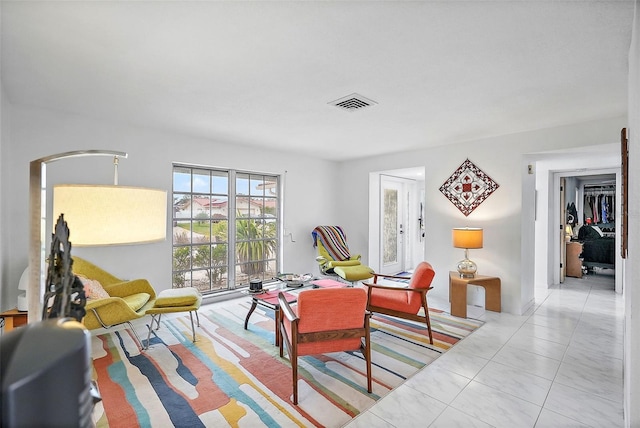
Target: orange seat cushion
[(394, 299)]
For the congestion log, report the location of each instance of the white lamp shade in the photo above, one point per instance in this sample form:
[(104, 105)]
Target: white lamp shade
[(467, 237), (23, 286), (100, 215)]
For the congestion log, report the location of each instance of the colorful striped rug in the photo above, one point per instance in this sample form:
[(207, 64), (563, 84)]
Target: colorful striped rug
[(235, 377)]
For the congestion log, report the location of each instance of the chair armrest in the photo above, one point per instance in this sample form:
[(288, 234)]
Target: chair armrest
[(381, 275), (98, 303), (127, 288), (386, 287), (405, 288), (108, 312), (285, 308), (350, 262)]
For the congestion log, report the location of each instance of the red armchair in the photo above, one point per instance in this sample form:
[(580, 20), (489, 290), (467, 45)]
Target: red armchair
[(403, 302), (323, 321)]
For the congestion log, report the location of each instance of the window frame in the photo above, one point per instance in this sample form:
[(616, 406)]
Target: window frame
[(233, 265)]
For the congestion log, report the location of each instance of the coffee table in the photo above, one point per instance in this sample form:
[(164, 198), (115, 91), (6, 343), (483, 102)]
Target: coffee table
[(269, 299)]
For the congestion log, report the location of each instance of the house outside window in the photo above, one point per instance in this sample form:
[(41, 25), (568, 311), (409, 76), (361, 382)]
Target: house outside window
[(226, 227)]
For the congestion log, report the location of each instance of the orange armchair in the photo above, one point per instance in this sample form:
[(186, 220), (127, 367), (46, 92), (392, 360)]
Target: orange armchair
[(323, 321), (403, 302)]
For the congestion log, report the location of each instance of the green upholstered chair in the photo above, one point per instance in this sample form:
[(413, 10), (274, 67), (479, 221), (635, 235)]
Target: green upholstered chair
[(334, 257), (121, 302), (324, 321)]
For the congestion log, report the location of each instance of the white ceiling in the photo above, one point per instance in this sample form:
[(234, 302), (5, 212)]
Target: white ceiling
[(262, 73)]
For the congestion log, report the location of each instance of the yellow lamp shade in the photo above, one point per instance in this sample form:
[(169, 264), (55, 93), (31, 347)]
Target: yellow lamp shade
[(111, 215), (467, 237)]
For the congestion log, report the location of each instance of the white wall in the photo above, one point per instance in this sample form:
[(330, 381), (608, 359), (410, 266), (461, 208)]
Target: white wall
[(632, 265), (503, 159), (310, 184), (4, 298)]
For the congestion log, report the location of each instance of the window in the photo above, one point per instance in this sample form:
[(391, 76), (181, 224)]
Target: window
[(224, 218)]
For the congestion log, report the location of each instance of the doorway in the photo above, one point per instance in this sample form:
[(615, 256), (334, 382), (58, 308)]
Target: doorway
[(589, 199), (541, 209), (394, 210), (396, 219)]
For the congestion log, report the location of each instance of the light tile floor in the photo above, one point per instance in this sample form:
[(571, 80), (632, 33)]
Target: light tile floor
[(558, 366)]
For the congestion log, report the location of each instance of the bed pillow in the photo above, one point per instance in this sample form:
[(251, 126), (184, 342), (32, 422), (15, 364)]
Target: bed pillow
[(597, 229), (588, 233)]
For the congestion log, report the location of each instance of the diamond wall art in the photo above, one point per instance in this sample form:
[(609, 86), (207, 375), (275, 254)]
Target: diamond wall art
[(468, 187)]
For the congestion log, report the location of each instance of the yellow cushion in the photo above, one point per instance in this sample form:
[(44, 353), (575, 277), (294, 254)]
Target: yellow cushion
[(354, 273), (345, 263), (177, 297), (136, 301)]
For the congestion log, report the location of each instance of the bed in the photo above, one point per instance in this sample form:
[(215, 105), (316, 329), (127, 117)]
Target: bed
[(598, 248)]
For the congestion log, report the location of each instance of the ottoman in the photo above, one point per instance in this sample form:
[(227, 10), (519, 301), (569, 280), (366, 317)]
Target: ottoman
[(187, 299)]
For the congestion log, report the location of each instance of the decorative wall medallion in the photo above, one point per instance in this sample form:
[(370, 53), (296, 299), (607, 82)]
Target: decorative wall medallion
[(468, 187)]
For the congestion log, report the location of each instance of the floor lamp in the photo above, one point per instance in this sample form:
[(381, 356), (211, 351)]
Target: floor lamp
[(96, 215)]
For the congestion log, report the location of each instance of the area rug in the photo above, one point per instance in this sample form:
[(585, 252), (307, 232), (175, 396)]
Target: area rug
[(235, 377)]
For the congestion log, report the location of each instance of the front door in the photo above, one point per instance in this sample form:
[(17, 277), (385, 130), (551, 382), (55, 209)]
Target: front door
[(393, 224)]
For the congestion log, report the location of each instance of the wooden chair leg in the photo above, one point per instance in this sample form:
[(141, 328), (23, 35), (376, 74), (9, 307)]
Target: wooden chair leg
[(430, 332), (280, 328), (367, 356), (294, 370), (426, 315)]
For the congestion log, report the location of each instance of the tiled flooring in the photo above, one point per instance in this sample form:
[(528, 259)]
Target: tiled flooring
[(558, 366)]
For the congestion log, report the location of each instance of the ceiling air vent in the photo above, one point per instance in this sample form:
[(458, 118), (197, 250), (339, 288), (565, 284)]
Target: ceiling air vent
[(353, 102)]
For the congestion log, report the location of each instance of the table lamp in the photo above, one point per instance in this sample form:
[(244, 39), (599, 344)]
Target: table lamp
[(568, 232), (23, 286), (467, 237)]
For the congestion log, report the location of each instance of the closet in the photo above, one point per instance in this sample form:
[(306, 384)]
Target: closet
[(590, 224), (599, 206)]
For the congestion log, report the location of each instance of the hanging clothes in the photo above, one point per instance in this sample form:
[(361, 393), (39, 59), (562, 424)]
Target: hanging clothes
[(572, 214), (588, 210), (599, 205), (604, 206)]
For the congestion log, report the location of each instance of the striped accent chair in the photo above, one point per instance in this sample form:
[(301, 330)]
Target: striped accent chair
[(334, 257)]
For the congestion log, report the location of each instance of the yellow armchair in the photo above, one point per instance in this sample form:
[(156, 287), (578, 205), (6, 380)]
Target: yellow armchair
[(126, 301)]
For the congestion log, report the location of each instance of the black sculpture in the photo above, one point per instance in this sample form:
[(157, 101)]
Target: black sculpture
[(62, 286)]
